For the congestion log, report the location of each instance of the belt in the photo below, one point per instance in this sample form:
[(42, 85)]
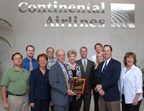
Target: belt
[(17, 94)]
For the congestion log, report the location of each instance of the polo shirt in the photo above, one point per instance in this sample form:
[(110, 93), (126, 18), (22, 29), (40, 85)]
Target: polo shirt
[(26, 63), (15, 81)]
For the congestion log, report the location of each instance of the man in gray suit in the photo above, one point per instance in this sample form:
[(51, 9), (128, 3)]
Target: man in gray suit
[(86, 68), (60, 84)]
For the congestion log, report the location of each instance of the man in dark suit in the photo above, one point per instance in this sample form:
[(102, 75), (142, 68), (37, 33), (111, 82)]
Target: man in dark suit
[(60, 84), (106, 78), (86, 68)]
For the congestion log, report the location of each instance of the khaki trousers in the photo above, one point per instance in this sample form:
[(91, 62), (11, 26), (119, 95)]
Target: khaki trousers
[(18, 103), (108, 106)]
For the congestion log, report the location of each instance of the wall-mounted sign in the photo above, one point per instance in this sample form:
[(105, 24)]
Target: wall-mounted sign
[(122, 15)]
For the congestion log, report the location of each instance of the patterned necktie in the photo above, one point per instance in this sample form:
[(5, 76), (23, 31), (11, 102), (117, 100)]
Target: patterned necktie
[(102, 73), (84, 66), (66, 78), (31, 66)]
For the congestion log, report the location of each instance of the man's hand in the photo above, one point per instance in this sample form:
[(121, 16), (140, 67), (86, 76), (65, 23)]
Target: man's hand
[(70, 92), (6, 106), (98, 87), (95, 89), (32, 105), (101, 92)]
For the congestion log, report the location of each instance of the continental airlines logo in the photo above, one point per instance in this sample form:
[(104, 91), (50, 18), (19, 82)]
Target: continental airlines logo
[(68, 15), (122, 15)]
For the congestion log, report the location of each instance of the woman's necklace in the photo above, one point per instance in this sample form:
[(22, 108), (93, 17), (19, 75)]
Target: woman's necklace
[(72, 65)]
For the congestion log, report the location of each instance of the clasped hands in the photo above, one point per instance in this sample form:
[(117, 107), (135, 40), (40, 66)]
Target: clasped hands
[(99, 89)]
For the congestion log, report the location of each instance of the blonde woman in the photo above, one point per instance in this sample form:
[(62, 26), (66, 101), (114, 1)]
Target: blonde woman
[(99, 59)]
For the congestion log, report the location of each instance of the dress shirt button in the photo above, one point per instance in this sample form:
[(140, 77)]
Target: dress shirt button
[(46, 79), (42, 86), (42, 79)]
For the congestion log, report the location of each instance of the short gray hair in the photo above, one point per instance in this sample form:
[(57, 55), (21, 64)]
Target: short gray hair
[(84, 48)]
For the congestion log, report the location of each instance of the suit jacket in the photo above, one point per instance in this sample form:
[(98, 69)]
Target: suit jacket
[(39, 87), (86, 74), (110, 80), (58, 85)]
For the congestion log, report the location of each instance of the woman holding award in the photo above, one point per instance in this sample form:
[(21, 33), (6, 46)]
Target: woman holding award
[(74, 71)]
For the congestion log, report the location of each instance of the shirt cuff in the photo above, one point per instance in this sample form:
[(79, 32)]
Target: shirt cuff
[(139, 91)]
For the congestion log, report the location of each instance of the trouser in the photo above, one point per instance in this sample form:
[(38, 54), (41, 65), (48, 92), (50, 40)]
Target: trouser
[(87, 99), (129, 107), (41, 105), (18, 103), (62, 108), (95, 100), (52, 108), (108, 106)]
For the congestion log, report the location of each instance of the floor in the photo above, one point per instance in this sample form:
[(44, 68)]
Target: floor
[(91, 108)]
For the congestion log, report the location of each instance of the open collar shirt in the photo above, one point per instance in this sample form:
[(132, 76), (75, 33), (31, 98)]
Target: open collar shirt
[(131, 83)]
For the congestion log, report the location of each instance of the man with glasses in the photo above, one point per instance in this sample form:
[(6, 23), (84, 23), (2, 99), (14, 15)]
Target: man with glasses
[(30, 62), (51, 59), (60, 83), (16, 82)]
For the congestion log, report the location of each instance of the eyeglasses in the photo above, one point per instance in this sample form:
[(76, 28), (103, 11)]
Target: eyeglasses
[(42, 60), (62, 55), (17, 58), (50, 51)]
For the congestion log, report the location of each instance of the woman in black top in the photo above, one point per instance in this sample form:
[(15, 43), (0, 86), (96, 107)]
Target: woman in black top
[(99, 59), (74, 72)]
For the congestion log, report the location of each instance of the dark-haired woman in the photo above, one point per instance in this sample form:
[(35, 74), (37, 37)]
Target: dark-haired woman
[(39, 88), (131, 84)]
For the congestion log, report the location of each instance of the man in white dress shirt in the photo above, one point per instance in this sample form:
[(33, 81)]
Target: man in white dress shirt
[(98, 48)]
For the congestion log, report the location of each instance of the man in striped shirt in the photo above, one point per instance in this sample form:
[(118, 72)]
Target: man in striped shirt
[(16, 81)]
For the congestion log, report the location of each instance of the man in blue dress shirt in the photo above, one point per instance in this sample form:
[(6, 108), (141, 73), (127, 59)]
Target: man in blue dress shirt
[(30, 62)]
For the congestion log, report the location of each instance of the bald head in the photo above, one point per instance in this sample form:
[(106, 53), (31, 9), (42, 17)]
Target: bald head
[(60, 56)]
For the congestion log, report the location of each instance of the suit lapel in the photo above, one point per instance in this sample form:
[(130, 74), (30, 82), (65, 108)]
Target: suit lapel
[(60, 69), (100, 69), (88, 66), (80, 63)]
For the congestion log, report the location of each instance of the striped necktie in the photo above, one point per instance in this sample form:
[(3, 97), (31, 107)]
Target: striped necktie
[(66, 78)]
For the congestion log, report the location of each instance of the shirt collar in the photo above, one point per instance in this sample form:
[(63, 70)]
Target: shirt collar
[(17, 70), (61, 64), (84, 60), (108, 60), (52, 59), (133, 66), (29, 60)]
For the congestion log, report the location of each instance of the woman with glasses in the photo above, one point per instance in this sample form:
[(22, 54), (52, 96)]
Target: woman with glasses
[(39, 88)]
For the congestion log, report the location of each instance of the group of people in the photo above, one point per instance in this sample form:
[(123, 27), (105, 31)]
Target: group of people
[(47, 81)]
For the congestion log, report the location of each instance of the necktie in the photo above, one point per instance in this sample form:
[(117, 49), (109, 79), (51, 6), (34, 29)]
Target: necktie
[(66, 78), (102, 73), (84, 66), (31, 66)]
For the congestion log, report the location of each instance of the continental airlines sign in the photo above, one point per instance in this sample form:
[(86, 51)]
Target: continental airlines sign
[(68, 21)]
